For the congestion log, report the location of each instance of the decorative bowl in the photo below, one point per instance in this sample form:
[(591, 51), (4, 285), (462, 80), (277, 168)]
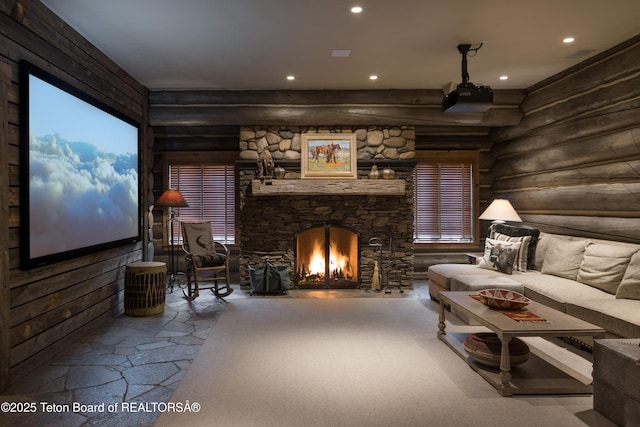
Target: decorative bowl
[(485, 348), (504, 299)]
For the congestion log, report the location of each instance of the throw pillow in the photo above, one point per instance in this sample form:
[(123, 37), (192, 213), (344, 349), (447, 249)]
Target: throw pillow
[(521, 259), (499, 255), (603, 266), (563, 258), (630, 284), (519, 231), (210, 260), (541, 250)]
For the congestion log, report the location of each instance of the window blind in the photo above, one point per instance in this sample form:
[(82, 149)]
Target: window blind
[(210, 192), (443, 202)]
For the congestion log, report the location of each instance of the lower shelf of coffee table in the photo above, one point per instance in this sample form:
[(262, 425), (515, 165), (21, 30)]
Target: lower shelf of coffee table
[(535, 376)]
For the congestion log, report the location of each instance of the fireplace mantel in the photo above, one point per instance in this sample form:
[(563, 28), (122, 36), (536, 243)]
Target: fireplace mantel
[(312, 187)]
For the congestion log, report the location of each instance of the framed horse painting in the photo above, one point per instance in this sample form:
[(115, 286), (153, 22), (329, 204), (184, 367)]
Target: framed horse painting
[(329, 155)]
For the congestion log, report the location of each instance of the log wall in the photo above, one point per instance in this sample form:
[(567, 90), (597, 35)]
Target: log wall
[(323, 108), (572, 165), (44, 309)]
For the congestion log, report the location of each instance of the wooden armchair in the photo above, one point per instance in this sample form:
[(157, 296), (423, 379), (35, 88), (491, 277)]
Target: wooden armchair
[(203, 257)]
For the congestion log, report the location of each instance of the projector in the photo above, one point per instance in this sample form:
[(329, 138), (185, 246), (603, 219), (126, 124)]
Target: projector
[(468, 98)]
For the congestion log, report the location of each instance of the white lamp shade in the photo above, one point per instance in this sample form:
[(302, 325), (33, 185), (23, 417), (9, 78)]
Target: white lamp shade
[(500, 210)]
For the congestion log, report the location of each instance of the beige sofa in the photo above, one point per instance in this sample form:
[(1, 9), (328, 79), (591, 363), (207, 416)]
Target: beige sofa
[(594, 280)]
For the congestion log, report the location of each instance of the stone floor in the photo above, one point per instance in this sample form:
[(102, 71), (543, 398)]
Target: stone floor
[(122, 374)]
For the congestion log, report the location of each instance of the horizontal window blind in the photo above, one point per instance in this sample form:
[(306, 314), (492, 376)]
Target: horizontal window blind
[(443, 202), (210, 192)]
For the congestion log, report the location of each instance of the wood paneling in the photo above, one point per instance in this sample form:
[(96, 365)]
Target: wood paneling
[(617, 199), (570, 153), (322, 108), (588, 226), (625, 171), (325, 115), (45, 309), (417, 97), (5, 313), (196, 138), (573, 164), (617, 63)]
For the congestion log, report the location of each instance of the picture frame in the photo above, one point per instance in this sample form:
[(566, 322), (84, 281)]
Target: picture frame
[(329, 156)]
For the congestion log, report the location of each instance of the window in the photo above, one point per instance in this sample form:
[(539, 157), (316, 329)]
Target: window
[(210, 192), (444, 200)]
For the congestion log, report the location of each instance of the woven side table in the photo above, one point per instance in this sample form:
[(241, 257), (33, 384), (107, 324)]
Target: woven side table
[(145, 285)]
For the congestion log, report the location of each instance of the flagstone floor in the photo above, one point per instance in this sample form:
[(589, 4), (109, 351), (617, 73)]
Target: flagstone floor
[(124, 373)]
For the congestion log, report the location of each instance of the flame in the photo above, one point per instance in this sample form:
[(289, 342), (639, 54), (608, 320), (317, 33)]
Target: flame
[(337, 261), (316, 265)]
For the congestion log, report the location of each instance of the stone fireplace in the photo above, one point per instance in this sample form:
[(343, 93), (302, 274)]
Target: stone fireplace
[(287, 226)]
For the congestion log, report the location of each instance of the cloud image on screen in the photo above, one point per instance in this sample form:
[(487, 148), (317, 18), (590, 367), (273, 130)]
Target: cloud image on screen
[(83, 173)]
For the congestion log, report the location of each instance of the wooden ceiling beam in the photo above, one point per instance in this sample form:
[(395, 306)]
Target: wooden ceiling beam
[(362, 108), (325, 115)]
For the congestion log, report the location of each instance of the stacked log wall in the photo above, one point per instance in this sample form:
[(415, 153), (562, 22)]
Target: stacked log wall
[(44, 309), (572, 165)]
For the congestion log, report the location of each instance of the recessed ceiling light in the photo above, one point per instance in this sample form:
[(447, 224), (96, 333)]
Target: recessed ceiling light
[(504, 77), (340, 53), (356, 9), (568, 40), (291, 77), (373, 77)]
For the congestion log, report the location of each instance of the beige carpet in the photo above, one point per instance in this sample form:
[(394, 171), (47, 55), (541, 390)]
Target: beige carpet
[(348, 362)]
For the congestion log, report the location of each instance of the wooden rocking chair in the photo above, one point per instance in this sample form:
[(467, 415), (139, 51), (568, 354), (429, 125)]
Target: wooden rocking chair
[(204, 255)]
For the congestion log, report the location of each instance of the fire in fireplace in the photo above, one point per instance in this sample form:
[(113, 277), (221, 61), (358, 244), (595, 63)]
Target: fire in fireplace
[(327, 256)]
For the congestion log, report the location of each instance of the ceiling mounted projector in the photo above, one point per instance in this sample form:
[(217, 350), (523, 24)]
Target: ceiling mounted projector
[(467, 97)]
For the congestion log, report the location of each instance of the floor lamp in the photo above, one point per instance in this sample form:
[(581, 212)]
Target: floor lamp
[(172, 199)]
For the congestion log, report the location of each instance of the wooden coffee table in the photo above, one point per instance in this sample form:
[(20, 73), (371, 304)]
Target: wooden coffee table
[(536, 376)]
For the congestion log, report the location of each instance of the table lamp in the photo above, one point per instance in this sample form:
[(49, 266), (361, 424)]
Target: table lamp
[(500, 211)]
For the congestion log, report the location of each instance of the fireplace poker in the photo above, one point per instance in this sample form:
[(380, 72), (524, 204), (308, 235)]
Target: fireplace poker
[(387, 288), (376, 280)]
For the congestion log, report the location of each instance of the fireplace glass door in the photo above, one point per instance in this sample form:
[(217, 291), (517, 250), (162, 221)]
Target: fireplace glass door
[(327, 257)]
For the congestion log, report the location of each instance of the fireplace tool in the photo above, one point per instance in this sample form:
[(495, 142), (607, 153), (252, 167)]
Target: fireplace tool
[(392, 263), (376, 280)]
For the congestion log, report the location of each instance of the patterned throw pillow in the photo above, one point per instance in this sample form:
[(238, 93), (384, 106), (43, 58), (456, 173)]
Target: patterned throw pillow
[(211, 260), (523, 253), (499, 255), (519, 231)]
